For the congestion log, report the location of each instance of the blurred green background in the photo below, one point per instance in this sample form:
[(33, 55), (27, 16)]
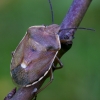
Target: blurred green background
[(80, 77)]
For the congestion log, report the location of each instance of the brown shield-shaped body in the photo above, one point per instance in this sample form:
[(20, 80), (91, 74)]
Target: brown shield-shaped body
[(35, 54)]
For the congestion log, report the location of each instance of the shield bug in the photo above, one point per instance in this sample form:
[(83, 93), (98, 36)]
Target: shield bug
[(35, 54)]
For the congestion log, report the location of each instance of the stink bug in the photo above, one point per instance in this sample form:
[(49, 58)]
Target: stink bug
[(34, 55)]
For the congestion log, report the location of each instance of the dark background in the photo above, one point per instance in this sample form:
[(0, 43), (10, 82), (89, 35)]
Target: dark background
[(80, 77)]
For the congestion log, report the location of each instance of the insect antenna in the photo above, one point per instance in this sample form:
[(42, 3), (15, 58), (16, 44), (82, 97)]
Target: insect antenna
[(78, 28), (51, 9)]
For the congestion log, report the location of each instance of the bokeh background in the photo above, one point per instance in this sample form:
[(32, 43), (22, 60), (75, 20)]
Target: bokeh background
[(80, 77)]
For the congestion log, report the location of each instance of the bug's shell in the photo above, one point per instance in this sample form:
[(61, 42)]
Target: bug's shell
[(35, 54)]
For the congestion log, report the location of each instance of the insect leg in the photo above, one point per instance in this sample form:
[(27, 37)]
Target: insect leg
[(51, 79), (35, 93), (58, 61), (35, 97)]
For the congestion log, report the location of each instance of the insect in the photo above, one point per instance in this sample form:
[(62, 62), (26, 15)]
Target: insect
[(33, 58), (10, 95), (35, 54)]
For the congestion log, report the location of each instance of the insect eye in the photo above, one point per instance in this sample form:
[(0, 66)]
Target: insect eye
[(66, 37)]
